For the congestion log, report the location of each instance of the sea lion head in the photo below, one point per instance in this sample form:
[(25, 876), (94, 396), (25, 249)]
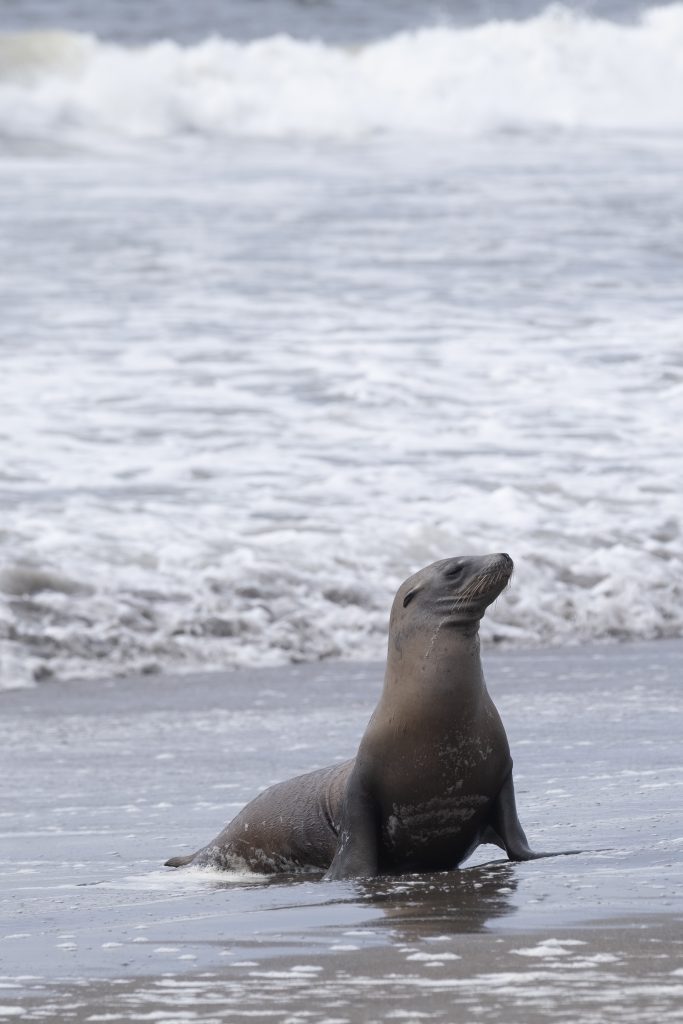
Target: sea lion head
[(453, 592)]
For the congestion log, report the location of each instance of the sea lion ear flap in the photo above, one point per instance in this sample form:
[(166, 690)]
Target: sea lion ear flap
[(410, 595)]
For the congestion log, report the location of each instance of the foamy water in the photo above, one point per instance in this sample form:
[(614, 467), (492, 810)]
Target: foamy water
[(560, 69), (284, 320)]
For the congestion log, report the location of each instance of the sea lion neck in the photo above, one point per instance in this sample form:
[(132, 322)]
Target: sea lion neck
[(445, 661)]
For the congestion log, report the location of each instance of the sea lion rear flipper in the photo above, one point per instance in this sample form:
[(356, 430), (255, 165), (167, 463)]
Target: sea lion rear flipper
[(178, 862), (357, 850)]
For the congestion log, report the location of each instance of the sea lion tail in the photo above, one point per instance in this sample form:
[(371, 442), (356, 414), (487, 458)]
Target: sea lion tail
[(179, 862)]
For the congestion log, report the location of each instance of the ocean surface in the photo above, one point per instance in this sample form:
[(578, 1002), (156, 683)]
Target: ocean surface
[(299, 297)]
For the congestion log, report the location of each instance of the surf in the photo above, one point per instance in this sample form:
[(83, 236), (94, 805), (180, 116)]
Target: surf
[(561, 69)]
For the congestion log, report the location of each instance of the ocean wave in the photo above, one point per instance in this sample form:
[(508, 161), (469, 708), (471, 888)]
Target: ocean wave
[(561, 69), (288, 600)]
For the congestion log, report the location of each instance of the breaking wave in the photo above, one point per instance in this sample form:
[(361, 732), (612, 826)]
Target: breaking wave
[(561, 69)]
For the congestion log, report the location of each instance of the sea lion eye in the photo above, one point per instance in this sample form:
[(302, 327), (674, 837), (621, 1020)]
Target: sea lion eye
[(409, 596), (453, 573)]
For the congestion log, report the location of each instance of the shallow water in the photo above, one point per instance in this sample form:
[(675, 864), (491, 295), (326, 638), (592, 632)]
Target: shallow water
[(284, 321), (103, 782)]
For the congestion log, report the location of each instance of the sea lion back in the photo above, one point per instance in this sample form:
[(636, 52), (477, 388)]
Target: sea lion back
[(291, 826)]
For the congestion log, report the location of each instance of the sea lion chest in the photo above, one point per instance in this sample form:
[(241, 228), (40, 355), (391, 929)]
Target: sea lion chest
[(435, 781)]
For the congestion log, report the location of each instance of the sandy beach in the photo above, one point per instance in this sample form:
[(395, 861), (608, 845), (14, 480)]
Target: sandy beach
[(104, 780)]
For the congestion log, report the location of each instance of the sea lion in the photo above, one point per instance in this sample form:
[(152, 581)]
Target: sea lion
[(433, 775)]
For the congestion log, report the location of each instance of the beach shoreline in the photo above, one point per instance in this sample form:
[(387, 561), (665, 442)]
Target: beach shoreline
[(105, 779)]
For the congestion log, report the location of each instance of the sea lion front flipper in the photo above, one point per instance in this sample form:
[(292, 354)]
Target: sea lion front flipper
[(357, 850), (504, 825)]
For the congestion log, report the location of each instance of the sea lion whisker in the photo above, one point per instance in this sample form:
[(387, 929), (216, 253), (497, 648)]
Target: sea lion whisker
[(470, 591)]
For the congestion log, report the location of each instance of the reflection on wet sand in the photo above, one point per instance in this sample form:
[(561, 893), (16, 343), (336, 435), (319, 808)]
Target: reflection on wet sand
[(448, 903), (405, 908)]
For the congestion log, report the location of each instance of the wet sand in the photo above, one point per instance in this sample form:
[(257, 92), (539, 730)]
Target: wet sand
[(103, 781)]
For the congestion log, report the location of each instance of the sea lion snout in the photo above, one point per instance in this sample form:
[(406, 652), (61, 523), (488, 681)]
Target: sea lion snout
[(501, 563), (465, 586), (494, 575), (463, 570)]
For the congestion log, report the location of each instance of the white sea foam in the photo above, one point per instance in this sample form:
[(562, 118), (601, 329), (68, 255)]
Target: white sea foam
[(234, 565), (248, 394), (561, 68)]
